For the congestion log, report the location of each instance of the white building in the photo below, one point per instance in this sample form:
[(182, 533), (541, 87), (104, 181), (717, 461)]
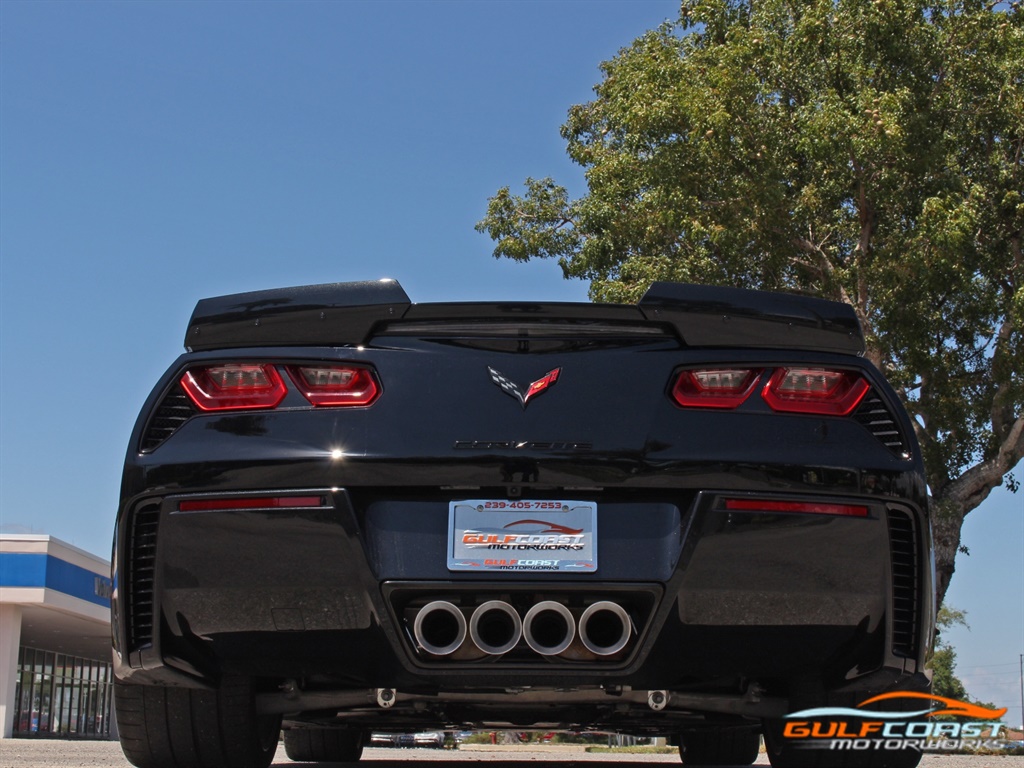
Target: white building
[(55, 670)]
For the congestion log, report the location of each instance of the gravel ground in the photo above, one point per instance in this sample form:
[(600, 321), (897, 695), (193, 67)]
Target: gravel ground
[(31, 753)]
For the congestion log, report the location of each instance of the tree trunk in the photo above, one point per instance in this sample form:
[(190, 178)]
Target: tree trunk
[(947, 520)]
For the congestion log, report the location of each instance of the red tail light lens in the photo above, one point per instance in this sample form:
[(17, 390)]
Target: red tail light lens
[(251, 502), (234, 386), (815, 391), (335, 385), (800, 507), (714, 387)]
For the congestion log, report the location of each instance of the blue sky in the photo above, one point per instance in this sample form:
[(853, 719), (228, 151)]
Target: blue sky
[(154, 153)]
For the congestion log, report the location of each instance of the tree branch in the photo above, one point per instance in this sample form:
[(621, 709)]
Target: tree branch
[(828, 271), (1001, 411), (974, 485)]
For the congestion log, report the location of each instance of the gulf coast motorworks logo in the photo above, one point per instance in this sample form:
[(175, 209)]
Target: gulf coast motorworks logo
[(860, 729)]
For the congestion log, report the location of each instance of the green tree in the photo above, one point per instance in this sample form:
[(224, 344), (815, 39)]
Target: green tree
[(943, 660), (867, 151)]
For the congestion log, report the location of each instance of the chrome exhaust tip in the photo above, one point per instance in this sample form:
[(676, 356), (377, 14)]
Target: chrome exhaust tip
[(495, 627), (439, 628), (548, 628), (605, 628)]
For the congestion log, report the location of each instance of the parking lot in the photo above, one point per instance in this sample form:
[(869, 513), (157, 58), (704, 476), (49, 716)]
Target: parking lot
[(31, 753)]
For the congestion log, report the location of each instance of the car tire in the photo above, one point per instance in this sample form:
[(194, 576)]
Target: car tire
[(720, 746), (194, 728), (785, 754), (323, 745)]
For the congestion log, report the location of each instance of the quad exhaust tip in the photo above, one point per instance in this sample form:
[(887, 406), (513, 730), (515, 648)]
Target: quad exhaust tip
[(495, 627), (440, 628), (549, 628), (605, 628)]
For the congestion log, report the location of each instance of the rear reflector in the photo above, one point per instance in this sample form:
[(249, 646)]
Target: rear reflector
[(335, 385), (251, 502), (714, 387), (802, 507), (233, 386), (814, 391)]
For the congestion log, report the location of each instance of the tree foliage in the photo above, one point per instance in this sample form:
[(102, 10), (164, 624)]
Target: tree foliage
[(944, 679), (943, 661), (867, 151)]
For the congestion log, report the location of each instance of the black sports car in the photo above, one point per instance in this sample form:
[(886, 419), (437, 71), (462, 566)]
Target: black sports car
[(350, 513)]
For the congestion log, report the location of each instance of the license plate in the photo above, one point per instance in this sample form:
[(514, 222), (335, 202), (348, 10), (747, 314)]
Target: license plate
[(522, 535)]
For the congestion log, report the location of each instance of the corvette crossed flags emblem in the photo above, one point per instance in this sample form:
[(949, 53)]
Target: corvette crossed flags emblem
[(509, 387)]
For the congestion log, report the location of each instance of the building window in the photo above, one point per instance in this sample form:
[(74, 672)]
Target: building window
[(61, 696)]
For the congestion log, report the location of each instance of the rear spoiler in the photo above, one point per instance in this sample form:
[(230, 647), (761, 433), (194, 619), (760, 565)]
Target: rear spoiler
[(712, 316), (347, 314), (334, 314)]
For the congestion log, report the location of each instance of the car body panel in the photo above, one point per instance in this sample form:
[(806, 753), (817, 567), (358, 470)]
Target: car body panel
[(734, 612)]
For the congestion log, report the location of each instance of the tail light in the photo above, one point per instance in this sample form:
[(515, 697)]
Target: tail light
[(250, 502), (234, 386), (714, 387), (820, 391), (799, 507), (814, 390), (335, 385)]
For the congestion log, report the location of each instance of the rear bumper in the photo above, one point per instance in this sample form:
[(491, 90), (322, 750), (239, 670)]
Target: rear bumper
[(328, 593)]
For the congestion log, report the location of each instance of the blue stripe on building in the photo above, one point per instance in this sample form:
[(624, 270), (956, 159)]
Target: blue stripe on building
[(24, 569)]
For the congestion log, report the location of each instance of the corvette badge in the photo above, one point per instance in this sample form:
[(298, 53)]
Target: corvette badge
[(510, 388)]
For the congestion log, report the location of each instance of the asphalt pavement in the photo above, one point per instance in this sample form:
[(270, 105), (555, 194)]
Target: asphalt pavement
[(40, 753)]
